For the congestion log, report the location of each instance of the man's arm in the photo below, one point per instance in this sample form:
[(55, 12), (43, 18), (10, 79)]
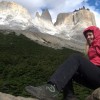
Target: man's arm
[(86, 48)]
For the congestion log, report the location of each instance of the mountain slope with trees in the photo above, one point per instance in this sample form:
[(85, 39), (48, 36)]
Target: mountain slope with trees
[(24, 62)]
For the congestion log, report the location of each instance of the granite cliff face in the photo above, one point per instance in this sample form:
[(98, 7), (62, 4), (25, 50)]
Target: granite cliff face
[(75, 17), (46, 15), (71, 25)]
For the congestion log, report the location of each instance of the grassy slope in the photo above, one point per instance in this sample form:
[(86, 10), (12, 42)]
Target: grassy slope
[(24, 62)]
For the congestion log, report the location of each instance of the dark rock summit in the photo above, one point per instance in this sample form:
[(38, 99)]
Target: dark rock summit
[(46, 15)]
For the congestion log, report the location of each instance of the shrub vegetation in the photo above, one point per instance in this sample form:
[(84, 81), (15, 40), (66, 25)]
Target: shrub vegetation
[(24, 62)]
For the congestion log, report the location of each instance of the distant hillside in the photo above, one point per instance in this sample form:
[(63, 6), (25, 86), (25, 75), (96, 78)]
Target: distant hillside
[(24, 62)]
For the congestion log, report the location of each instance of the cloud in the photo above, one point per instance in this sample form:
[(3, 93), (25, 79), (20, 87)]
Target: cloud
[(64, 7), (50, 4), (97, 16), (96, 12), (97, 3), (30, 4)]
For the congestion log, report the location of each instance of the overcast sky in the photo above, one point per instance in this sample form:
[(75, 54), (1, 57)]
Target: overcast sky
[(58, 6)]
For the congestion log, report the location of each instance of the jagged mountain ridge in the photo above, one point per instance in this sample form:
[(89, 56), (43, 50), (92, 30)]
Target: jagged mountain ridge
[(68, 26)]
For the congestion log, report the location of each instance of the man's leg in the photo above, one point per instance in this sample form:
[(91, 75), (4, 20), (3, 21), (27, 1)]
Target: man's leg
[(76, 63), (67, 70), (68, 92), (68, 89)]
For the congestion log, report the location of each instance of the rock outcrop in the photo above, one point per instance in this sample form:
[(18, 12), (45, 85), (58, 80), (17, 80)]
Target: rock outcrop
[(95, 95), (37, 15), (71, 25), (4, 96), (44, 23), (46, 15), (64, 18), (72, 18)]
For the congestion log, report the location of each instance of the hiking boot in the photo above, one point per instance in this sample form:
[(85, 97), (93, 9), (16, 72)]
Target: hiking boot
[(44, 92)]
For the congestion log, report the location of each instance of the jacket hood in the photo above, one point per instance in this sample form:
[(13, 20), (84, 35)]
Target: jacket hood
[(94, 29)]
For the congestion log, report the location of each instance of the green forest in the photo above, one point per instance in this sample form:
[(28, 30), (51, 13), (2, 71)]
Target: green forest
[(24, 62)]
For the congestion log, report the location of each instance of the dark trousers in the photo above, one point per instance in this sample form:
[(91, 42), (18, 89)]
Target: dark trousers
[(77, 68)]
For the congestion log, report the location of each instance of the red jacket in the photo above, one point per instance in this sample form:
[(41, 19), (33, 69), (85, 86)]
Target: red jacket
[(94, 48)]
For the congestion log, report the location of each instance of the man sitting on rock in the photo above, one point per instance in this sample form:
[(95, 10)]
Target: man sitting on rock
[(76, 67)]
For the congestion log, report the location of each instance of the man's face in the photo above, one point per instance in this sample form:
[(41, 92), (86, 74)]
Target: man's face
[(89, 37)]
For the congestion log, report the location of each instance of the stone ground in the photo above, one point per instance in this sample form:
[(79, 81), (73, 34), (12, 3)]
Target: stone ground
[(4, 96)]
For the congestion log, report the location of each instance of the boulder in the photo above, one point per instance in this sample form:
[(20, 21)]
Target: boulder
[(95, 95), (4, 96)]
